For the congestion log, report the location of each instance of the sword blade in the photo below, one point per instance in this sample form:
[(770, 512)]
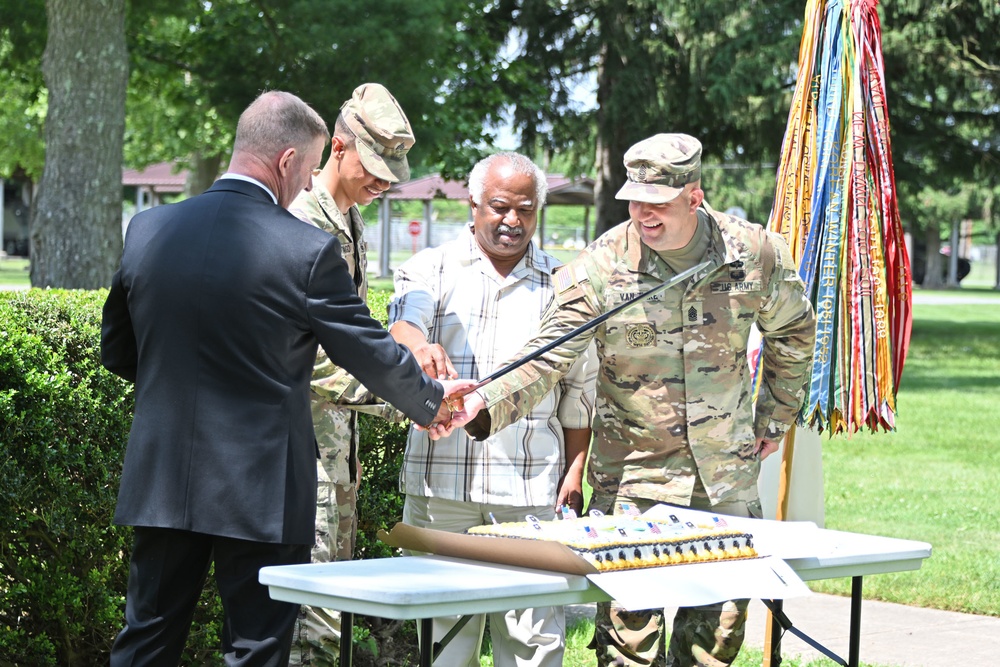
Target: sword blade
[(597, 321)]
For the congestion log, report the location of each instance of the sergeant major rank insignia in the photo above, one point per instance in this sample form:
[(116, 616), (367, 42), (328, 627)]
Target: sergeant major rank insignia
[(640, 335), (692, 313)]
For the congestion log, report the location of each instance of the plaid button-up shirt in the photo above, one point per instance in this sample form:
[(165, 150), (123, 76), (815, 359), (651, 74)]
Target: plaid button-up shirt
[(455, 296)]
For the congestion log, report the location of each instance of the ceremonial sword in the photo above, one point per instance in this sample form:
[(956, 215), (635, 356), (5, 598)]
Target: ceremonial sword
[(455, 402)]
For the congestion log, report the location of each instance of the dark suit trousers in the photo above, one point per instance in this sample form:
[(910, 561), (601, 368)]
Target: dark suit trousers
[(166, 576)]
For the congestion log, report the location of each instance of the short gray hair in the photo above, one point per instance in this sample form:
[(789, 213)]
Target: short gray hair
[(521, 164), (277, 120)]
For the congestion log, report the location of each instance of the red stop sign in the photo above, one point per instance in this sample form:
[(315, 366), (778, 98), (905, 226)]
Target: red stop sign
[(414, 227)]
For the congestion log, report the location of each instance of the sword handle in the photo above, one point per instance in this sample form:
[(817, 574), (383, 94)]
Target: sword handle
[(456, 402)]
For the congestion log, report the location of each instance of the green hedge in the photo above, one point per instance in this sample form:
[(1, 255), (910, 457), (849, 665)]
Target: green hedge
[(380, 505), (64, 423)]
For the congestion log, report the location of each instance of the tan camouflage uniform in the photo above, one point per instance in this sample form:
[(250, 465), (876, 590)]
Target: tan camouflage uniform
[(317, 633), (676, 422), (381, 137)]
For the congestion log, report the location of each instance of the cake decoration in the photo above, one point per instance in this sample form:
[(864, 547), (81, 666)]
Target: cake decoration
[(629, 541)]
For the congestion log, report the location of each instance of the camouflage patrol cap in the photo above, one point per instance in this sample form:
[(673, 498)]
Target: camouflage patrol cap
[(382, 130), (659, 167)]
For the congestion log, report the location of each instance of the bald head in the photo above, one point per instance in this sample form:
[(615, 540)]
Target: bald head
[(277, 120), (279, 141)]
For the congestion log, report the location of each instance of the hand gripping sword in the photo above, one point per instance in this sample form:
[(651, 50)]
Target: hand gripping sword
[(456, 403)]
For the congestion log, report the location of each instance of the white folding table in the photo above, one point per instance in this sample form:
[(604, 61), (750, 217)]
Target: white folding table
[(841, 554), (424, 587)]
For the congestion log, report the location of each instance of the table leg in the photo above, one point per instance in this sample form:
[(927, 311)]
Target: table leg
[(775, 656), (426, 642), (346, 638), (854, 649)]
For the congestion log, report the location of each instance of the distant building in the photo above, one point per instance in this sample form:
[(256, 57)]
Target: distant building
[(150, 187), (142, 189)]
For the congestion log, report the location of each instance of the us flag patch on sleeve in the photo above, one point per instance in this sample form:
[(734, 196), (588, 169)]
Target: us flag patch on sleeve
[(567, 276)]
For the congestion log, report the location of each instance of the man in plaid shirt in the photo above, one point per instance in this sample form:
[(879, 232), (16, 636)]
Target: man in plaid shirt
[(463, 308)]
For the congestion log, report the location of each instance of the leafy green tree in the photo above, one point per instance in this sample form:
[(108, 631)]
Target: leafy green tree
[(23, 100), (581, 79), (195, 66), (942, 63), (196, 69), (716, 70), (943, 77)]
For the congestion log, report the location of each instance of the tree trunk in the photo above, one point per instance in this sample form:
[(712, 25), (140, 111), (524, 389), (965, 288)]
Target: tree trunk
[(204, 170), (996, 262), (76, 226), (953, 255), (609, 168), (608, 211), (628, 104), (933, 269)]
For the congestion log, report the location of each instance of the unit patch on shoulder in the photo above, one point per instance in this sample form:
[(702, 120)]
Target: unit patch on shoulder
[(785, 259), (640, 335)]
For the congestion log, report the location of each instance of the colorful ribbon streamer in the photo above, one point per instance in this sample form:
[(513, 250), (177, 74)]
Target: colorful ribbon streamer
[(836, 206)]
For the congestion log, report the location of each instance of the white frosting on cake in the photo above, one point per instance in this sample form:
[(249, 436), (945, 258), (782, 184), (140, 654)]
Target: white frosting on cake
[(624, 542)]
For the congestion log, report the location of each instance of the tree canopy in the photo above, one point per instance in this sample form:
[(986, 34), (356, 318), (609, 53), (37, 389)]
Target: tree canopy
[(577, 79)]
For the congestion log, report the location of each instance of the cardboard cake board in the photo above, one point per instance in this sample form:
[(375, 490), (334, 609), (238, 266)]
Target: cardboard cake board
[(534, 554), (645, 588)]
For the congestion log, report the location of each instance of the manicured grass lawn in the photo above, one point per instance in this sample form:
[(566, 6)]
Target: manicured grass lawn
[(936, 478), (14, 271)]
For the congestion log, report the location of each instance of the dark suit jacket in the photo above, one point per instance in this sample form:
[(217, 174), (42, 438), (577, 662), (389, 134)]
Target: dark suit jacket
[(215, 315)]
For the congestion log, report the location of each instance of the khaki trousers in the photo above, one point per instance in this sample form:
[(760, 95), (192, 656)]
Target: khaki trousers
[(521, 638)]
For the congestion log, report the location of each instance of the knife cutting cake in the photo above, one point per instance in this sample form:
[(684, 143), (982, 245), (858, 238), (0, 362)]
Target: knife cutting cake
[(625, 542)]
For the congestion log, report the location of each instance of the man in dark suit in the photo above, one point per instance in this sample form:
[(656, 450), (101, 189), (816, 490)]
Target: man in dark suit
[(215, 314)]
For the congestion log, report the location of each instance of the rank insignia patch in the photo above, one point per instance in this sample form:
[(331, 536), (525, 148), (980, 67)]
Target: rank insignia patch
[(640, 335), (692, 314)]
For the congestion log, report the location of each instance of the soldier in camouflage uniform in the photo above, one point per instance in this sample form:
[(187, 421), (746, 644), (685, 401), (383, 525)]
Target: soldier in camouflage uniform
[(676, 421), (367, 153)]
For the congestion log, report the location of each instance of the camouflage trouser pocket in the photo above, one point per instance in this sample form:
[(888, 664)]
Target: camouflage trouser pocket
[(634, 638), (316, 639), (709, 636)]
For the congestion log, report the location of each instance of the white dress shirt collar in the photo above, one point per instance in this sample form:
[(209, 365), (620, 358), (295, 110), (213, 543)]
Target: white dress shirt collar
[(249, 179)]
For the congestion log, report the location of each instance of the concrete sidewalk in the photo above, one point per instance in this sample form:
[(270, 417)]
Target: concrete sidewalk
[(892, 635)]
